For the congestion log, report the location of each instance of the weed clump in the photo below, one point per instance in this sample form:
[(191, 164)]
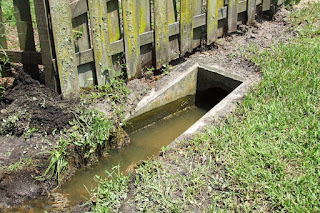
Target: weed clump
[(91, 131)]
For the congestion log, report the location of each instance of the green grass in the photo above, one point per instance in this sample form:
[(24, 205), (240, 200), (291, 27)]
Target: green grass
[(8, 13), (264, 157)]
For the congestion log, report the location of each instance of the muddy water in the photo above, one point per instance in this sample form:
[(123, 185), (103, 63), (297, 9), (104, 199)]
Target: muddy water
[(145, 143)]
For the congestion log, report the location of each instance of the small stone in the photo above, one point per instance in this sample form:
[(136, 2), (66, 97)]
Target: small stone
[(3, 111), (252, 36), (255, 31)]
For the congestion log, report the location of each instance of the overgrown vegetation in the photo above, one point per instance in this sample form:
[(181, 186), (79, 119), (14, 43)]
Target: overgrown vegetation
[(265, 157), (91, 131), (110, 199)]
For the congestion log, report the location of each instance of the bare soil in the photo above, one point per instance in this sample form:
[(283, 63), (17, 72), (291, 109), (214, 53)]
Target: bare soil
[(29, 114)]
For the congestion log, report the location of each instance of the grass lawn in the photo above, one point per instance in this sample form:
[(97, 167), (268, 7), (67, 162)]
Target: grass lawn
[(263, 157)]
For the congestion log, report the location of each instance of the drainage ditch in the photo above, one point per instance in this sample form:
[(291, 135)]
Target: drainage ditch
[(158, 120)]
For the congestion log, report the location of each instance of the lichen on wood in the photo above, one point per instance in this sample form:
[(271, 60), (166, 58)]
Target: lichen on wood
[(161, 33), (64, 46), (100, 40), (186, 26), (131, 38), (212, 21)]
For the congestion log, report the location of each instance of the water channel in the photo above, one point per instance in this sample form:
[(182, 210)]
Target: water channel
[(144, 144)]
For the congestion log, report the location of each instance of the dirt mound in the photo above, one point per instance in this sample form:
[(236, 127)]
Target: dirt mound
[(30, 106)]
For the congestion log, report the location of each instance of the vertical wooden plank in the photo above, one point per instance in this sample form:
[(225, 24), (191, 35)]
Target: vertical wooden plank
[(186, 26), (266, 5), (113, 20), (25, 32), (64, 46), (161, 33), (3, 40), (221, 23), (24, 24), (144, 15), (114, 29), (197, 8), (212, 21), (251, 11), (131, 38), (101, 40), (145, 26), (232, 16), (81, 36), (174, 51), (46, 42)]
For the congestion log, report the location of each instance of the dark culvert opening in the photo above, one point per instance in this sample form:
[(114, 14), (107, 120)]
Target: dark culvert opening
[(212, 88)]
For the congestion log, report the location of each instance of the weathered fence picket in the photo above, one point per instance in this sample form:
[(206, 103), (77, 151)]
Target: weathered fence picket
[(24, 25), (64, 46), (232, 15), (131, 38), (114, 20), (46, 43), (161, 33), (212, 21), (25, 32), (146, 50), (197, 32), (251, 12), (266, 5), (101, 40), (186, 26), (81, 36), (174, 50)]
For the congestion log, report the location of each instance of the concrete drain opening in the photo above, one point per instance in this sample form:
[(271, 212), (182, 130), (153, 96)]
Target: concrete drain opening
[(185, 104), (200, 86)]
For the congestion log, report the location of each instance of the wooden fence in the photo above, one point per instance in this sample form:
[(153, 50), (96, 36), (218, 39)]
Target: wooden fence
[(82, 40), (27, 53)]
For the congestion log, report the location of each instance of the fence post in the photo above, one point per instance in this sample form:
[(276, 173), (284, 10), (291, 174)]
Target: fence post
[(64, 45), (266, 5), (186, 27), (131, 38), (251, 11), (146, 51), (212, 21), (173, 40), (197, 9), (46, 42), (25, 32), (161, 32), (232, 16), (3, 40), (101, 40)]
